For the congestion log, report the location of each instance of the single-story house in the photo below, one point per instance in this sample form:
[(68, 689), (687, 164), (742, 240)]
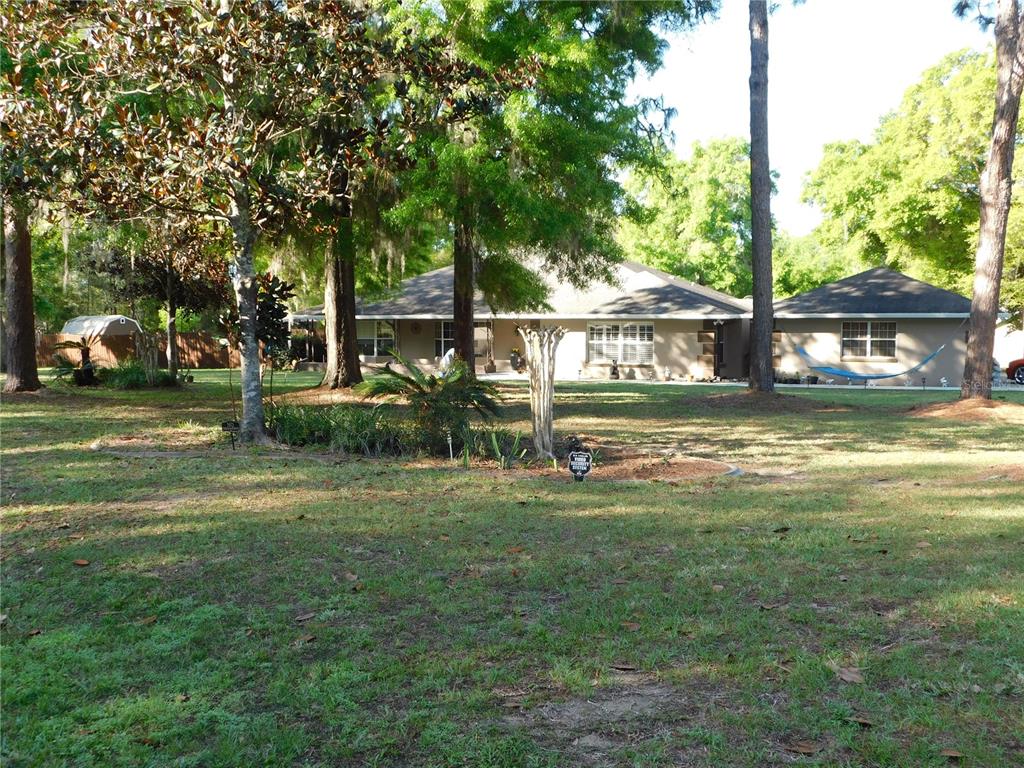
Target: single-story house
[(656, 326), (878, 321)]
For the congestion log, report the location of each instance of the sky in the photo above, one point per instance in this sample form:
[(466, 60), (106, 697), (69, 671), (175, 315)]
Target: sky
[(835, 67)]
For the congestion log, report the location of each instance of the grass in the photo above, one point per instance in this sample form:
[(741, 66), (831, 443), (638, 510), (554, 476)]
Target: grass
[(269, 609)]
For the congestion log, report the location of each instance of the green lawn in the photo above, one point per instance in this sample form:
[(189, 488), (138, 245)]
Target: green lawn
[(255, 609)]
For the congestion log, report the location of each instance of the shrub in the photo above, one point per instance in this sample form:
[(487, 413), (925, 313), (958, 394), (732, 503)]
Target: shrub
[(128, 374), (440, 405), (300, 425), (132, 374), (344, 428)]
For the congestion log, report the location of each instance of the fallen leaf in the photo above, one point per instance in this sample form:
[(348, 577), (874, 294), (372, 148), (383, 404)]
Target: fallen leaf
[(182, 697), (147, 620), (804, 747), (623, 667), (923, 544), (620, 581), (717, 587), (516, 573), (883, 551), (63, 525), (34, 632), (3, 619), (861, 720), (358, 586), (305, 616), (349, 576), (81, 563), (780, 529), (514, 550), (632, 626), (249, 632), (445, 537), (770, 606), (304, 639), (952, 754), (844, 578), (848, 674)]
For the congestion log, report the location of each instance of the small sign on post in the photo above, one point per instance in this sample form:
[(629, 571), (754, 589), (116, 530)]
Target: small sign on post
[(232, 428), (580, 463)]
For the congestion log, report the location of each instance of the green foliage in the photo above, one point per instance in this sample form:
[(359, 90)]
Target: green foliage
[(132, 374), (910, 198), (692, 217), (272, 295), (801, 263), (439, 405), (345, 428)]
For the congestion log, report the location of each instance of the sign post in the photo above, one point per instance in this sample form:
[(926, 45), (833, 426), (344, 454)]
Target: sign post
[(580, 463)]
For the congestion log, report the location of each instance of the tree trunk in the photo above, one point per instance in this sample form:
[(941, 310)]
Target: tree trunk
[(996, 186), (252, 428), (172, 331), (464, 284), (20, 340), (762, 377), (343, 368), (540, 345)]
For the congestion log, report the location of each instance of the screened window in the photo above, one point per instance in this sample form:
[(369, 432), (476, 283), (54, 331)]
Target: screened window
[(374, 337), (444, 337), (869, 338), (631, 343)]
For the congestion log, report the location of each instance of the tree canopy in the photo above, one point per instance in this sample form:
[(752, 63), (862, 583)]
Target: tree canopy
[(693, 217), (909, 199)]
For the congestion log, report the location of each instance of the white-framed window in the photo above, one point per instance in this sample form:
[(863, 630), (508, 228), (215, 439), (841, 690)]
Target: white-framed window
[(874, 339), (375, 337), (630, 343), (444, 337)]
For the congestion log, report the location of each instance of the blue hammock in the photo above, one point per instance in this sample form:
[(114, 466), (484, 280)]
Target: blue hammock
[(829, 371)]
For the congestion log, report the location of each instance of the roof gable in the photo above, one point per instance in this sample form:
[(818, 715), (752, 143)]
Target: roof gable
[(878, 291)]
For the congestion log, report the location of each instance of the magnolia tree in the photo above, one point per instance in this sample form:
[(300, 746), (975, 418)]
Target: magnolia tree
[(540, 344), (250, 115)]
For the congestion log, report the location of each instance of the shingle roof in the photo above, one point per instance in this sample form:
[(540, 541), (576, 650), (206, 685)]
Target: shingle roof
[(639, 291), (877, 291)]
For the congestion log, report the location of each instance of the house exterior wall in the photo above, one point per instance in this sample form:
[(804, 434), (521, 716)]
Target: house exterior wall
[(677, 349), (915, 340)]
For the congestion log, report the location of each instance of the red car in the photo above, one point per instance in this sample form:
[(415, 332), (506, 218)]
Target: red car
[(1015, 371)]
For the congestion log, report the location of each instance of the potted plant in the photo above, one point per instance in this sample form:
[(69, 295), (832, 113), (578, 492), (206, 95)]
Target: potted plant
[(515, 359)]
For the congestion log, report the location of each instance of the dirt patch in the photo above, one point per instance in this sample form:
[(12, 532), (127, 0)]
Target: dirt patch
[(973, 409), (593, 731), (765, 402)]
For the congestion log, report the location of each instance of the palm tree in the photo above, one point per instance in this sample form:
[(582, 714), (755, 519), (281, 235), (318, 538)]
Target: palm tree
[(440, 405)]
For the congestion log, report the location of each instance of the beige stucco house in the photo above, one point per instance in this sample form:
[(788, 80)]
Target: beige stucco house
[(876, 322), (660, 327), (653, 325)]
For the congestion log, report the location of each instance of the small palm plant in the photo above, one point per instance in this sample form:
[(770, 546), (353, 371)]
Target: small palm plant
[(440, 405)]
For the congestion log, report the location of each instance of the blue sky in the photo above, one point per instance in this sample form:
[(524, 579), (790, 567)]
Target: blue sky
[(835, 67)]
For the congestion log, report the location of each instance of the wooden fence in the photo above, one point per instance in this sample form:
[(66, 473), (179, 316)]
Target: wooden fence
[(195, 350)]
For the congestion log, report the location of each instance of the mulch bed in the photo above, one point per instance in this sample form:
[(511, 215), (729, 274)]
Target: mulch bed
[(973, 409), (764, 402)]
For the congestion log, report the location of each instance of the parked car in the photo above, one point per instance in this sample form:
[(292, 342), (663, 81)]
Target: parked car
[(1015, 371)]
